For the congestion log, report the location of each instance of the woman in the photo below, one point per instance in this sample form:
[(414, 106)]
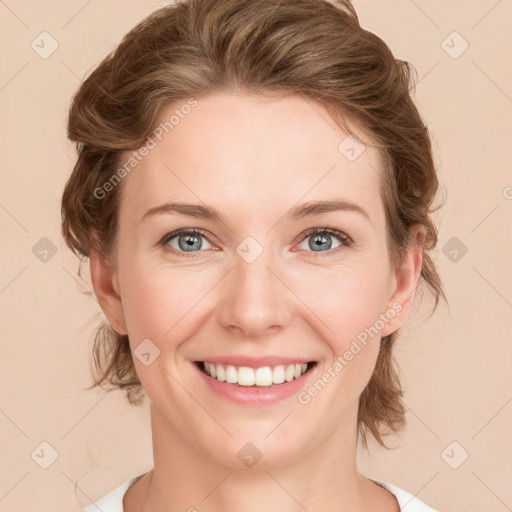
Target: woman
[(253, 190)]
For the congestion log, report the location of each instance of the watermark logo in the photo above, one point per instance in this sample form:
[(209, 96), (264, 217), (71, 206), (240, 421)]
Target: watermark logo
[(454, 249), (151, 143), (146, 352), (454, 45), (44, 454), (44, 250), (351, 148), (454, 455), (249, 249), (44, 45), (249, 455), (305, 397)]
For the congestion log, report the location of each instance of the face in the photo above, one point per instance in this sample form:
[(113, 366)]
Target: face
[(254, 286)]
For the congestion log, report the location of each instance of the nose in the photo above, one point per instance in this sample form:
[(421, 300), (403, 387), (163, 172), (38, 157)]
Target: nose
[(255, 299)]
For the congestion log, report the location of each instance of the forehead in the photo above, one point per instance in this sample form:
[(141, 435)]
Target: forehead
[(247, 154)]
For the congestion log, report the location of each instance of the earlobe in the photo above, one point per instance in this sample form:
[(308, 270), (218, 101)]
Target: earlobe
[(406, 279), (106, 289)]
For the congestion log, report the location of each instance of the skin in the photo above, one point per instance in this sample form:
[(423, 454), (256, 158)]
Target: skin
[(253, 159)]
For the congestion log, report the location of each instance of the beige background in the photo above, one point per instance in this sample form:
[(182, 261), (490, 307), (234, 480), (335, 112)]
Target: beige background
[(456, 365)]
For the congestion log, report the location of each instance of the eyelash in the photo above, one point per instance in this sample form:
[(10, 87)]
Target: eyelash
[(344, 239)]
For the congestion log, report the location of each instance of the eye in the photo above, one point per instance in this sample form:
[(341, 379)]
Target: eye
[(184, 240), (321, 239), (188, 240)]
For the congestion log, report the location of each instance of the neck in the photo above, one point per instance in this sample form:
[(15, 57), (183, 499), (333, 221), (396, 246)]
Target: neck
[(325, 477)]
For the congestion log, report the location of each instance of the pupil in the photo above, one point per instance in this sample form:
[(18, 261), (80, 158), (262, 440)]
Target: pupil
[(191, 242), (321, 239)]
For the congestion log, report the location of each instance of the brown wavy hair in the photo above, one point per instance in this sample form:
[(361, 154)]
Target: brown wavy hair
[(313, 48)]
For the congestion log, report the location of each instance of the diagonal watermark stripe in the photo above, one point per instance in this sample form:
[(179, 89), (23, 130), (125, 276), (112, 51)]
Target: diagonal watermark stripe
[(90, 409), (14, 76), (492, 81), (76, 14), (13, 279), (3, 3)]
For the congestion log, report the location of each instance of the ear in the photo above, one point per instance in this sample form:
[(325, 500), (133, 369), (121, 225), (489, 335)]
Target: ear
[(405, 279), (106, 288)]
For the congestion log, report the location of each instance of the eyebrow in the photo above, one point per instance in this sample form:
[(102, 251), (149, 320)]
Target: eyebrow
[(310, 208), (319, 207)]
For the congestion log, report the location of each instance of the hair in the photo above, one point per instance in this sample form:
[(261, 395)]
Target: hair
[(313, 48)]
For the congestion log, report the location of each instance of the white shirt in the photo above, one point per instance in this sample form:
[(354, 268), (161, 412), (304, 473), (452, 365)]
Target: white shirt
[(113, 502)]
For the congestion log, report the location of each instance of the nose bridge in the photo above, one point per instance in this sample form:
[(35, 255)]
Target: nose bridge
[(255, 298)]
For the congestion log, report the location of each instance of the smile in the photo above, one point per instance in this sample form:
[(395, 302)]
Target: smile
[(264, 376)]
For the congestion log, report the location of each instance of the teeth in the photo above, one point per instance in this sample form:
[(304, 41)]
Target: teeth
[(263, 376), (231, 374), (245, 376), (221, 373), (278, 375)]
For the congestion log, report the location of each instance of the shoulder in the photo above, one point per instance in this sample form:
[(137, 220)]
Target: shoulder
[(407, 501), (113, 501)]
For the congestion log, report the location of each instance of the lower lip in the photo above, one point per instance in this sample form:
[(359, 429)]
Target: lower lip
[(256, 395)]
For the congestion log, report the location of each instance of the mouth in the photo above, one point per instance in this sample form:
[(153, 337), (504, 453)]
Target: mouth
[(264, 376)]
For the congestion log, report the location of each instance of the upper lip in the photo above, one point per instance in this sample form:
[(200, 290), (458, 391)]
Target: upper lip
[(256, 362)]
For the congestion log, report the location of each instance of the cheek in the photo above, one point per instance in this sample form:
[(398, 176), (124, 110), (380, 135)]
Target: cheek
[(346, 312), (164, 302), (345, 300), (158, 302)]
